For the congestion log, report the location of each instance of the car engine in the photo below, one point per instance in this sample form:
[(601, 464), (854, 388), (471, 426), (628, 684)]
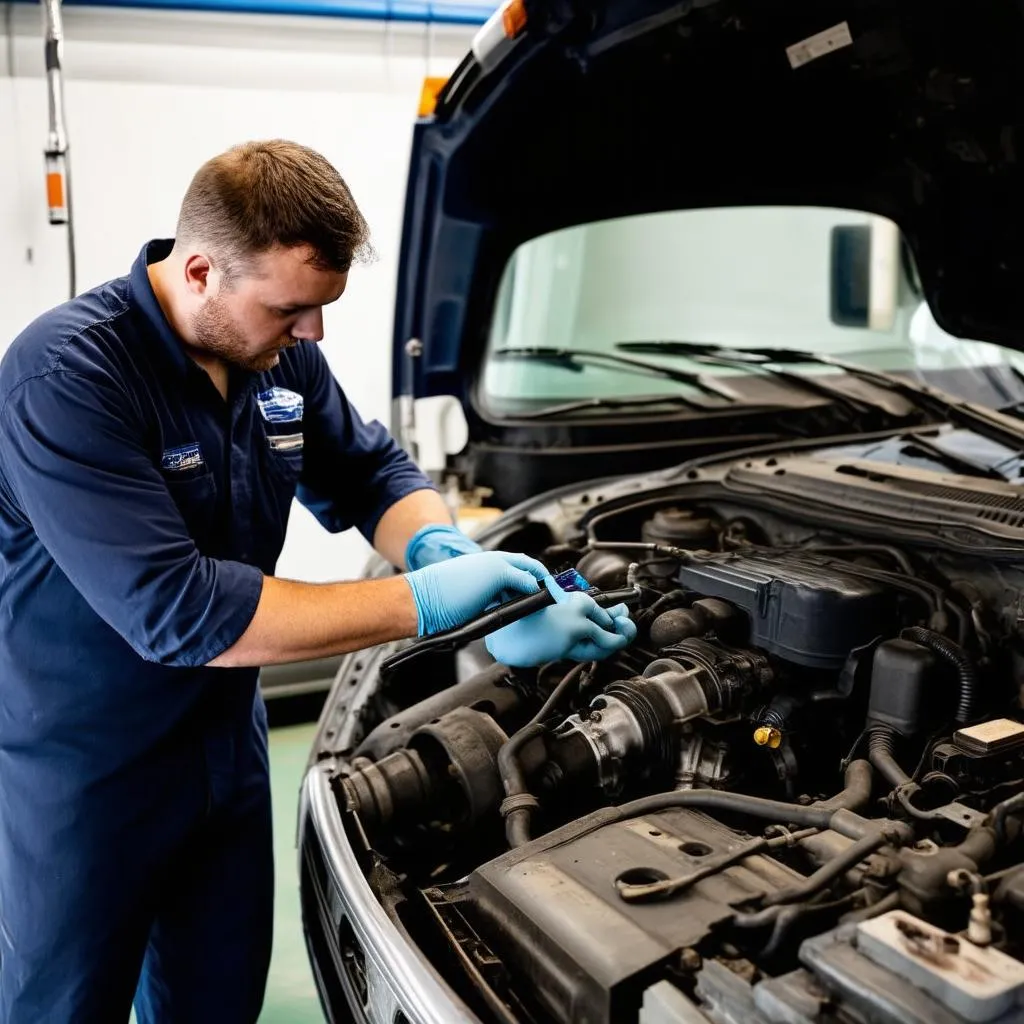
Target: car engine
[(795, 797)]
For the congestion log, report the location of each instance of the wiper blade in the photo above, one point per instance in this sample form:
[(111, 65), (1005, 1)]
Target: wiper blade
[(994, 426), (578, 358), (751, 359), (582, 404)]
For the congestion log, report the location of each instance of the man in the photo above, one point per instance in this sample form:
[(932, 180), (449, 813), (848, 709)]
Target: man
[(153, 433)]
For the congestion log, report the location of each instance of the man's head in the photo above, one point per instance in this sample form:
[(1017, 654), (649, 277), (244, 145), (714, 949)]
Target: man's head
[(265, 238)]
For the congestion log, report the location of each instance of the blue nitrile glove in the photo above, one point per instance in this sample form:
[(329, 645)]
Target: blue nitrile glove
[(450, 593), (437, 542), (575, 627)]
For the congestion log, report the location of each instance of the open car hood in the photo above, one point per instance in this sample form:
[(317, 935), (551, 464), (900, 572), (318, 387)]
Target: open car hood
[(604, 109)]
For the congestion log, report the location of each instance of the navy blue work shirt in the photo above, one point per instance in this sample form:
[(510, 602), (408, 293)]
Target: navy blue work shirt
[(139, 511)]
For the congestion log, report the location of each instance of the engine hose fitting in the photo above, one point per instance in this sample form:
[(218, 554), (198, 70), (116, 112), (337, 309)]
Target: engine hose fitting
[(653, 715), (881, 744), (634, 725), (519, 802), (958, 658), (449, 763), (726, 675)]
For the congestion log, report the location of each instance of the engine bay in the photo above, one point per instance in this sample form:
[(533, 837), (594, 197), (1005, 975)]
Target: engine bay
[(795, 797)]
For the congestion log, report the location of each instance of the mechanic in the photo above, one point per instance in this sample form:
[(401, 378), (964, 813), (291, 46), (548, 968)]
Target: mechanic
[(153, 433)]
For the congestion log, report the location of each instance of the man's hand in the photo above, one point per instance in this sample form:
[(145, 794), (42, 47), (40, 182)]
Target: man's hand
[(576, 627), (299, 621), (452, 592)]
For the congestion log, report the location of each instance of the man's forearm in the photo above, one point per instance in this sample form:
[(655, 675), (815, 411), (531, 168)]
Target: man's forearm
[(301, 621), (403, 519)]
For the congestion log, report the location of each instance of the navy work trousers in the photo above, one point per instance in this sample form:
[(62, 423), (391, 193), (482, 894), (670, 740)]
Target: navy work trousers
[(155, 884)]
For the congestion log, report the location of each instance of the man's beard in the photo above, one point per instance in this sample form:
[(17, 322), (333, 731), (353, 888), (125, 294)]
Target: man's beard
[(217, 334)]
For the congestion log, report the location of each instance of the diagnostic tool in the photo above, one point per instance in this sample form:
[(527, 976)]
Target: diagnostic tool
[(505, 614)]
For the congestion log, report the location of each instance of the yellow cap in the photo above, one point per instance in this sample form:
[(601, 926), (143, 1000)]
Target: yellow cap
[(767, 736)]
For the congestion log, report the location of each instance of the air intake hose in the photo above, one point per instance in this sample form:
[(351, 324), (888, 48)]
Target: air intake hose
[(881, 745)]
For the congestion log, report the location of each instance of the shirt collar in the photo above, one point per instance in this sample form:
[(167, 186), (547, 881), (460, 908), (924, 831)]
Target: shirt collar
[(163, 333), (145, 300)]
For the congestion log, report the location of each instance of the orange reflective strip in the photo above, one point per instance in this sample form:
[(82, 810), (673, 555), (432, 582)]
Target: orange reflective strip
[(55, 190)]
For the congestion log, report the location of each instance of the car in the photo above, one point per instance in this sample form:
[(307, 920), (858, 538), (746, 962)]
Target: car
[(717, 305)]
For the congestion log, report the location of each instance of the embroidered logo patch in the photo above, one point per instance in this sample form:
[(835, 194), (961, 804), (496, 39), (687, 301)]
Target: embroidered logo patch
[(186, 456), (284, 442), (279, 405)]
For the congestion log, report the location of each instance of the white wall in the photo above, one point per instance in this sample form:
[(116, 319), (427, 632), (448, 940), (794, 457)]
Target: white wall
[(150, 96)]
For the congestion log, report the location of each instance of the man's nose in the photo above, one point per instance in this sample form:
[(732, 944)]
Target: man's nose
[(309, 326)]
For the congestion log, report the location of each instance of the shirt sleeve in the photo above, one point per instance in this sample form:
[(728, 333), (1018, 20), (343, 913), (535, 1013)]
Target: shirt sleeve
[(74, 461), (353, 471)]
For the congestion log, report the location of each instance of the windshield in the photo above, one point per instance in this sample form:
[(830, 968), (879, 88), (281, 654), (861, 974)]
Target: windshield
[(833, 282)]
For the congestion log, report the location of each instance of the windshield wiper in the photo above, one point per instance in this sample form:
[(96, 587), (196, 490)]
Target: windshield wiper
[(579, 358), (987, 423), (753, 359), (581, 404)]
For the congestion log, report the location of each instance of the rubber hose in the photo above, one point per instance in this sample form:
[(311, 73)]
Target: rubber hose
[(846, 823), (518, 819), (517, 827), (858, 779), (881, 742), (829, 872), (980, 845), (791, 916), (882, 906), (574, 675), (999, 813), (956, 656), (711, 799)]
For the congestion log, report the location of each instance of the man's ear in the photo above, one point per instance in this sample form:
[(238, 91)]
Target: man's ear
[(197, 272)]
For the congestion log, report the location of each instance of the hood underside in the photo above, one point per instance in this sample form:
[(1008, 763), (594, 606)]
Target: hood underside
[(912, 111)]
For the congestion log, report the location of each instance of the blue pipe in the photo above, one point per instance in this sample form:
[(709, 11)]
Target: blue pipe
[(438, 12)]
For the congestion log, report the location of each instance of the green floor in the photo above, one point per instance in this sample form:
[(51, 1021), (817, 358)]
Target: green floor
[(291, 995)]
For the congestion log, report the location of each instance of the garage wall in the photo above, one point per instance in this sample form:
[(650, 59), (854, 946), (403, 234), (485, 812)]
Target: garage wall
[(150, 95)]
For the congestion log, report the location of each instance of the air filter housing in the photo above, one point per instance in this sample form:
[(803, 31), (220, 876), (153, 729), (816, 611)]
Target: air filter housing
[(805, 609)]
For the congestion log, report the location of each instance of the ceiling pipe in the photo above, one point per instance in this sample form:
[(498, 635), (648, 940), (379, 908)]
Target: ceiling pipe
[(438, 12)]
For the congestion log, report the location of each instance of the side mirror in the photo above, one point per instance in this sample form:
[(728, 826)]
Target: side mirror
[(864, 272)]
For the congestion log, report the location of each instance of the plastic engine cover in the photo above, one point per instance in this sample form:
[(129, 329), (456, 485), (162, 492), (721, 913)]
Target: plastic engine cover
[(551, 910), (806, 609)]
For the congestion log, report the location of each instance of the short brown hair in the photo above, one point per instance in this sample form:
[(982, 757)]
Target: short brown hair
[(259, 195)]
